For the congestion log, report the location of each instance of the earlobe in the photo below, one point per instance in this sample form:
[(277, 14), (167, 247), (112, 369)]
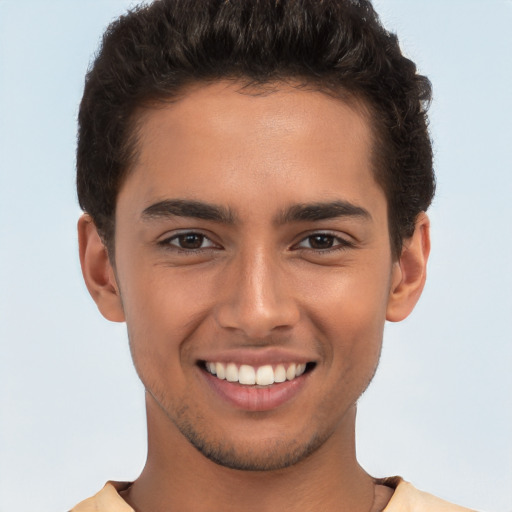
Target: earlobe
[(410, 272), (98, 272)]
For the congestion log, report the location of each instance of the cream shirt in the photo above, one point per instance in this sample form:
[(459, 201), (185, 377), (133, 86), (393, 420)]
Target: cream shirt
[(406, 498)]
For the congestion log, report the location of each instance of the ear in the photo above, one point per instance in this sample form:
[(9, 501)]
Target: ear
[(410, 272), (98, 272)]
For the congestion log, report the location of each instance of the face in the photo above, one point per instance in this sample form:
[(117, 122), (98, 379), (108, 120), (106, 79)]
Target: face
[(254, 268)]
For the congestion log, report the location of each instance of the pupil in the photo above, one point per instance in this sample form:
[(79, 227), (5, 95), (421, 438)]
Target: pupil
[(321, 241), (191, 241)]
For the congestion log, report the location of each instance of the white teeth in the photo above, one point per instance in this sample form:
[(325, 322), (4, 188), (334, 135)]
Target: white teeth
[(220, 370), (231, 372), (249, 375), (290, 373), (265, 375), (280, 373), (246, 375)]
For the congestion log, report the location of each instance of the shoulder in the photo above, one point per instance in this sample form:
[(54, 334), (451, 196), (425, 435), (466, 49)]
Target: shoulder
[(407, 498), (107, 500)]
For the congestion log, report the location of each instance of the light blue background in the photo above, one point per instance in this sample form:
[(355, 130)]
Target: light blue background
[(440, 409)]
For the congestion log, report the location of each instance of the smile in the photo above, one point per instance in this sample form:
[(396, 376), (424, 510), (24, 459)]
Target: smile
[(248, 375)]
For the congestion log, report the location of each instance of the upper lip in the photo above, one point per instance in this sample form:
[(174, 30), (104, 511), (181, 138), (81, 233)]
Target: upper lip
[(258, 356)]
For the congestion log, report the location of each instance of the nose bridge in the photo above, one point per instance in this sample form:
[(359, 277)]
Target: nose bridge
[(259, 298)]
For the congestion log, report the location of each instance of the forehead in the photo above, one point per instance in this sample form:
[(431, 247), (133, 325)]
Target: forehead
[(226, 110), (291, 144)]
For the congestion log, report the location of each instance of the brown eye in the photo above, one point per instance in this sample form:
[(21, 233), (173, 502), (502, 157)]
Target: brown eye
[(190, 241), (321, 241)]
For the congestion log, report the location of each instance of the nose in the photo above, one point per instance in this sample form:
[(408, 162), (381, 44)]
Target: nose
[(257, 297)]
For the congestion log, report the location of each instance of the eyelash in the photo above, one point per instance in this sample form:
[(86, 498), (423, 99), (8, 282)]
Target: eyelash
[(167, 243), (341, 243)]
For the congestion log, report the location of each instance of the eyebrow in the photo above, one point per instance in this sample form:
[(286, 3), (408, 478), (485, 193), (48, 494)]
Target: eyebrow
[(304, 212), (189, 208), (322, 211)]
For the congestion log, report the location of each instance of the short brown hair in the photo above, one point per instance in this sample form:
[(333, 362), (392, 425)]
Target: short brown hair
[(339, 46)]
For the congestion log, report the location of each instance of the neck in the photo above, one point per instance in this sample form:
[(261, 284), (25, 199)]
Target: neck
[(178, 477)]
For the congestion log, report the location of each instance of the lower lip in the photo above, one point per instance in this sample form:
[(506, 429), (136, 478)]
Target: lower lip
[(253, 398)]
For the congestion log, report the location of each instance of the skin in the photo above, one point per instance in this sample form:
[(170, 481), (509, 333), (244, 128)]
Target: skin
[(258, 283)]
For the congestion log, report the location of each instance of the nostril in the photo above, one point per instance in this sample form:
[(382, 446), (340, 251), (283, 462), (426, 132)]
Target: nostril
[(257, 317)]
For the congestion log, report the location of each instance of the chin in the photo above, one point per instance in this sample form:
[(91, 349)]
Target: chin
[(251, 455)]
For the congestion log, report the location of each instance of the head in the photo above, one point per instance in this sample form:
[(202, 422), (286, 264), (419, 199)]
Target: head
[(154, 53), (254, 175)]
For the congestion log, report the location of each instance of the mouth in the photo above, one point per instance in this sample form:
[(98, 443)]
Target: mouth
[(256, 376), (257, 381)]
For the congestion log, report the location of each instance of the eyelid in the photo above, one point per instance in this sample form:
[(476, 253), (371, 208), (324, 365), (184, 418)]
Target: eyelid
[(166, 240), (342, 242)]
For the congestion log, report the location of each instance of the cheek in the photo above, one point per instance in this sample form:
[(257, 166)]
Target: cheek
[(349, 308), (163, 309), (156, 297)]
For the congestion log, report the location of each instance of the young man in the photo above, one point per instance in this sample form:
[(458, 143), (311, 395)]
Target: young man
[(255, 176)]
